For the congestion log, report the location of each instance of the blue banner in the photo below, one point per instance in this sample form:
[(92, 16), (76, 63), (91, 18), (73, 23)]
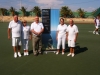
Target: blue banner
[(49, 40)]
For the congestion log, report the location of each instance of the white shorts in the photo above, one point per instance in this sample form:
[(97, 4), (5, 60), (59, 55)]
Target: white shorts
[(16, 41), (25, 44), (71, 43)]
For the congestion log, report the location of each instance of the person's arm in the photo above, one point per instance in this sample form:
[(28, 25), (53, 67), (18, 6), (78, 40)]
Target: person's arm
[(9, 31), (41, 31), (32, 29), (95, 22), (57, 35), (76, 35), (30, 35), (67, 36), (57, 32), (34, 32), (66, 33)]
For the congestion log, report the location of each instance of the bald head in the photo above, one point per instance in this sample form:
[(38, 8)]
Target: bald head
[(71, 22), (36, 19)]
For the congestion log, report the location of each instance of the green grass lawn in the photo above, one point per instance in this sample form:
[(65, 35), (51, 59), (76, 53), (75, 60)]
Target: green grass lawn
[(85, 62)]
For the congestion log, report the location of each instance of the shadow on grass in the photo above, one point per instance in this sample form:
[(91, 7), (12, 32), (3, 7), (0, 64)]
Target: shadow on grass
[(78, 49), (30, 51)]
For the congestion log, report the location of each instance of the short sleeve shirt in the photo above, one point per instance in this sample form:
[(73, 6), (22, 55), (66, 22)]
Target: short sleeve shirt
[(62, 29), (25, 32), (72, 32), (16, 28), (37, 27)]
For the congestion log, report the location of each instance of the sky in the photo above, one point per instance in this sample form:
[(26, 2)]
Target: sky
[(87, 5)]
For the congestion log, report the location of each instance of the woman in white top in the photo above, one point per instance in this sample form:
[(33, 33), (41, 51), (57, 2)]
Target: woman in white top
[(26, 35), (61, 36)]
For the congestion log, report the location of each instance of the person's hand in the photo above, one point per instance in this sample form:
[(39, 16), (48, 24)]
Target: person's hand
[(30, 38), (32, 30), (9, 37), (35, 32), (39, 33), (75, 40)]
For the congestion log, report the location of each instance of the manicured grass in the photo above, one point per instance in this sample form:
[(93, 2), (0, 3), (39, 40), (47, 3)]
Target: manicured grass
[(85, 62)]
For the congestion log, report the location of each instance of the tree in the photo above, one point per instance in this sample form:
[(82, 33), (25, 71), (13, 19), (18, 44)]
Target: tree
[(70, 13), (23, 9), (64, 11), (81, 12), (12, 10), (36, 10), (3, 11), (96, 12)]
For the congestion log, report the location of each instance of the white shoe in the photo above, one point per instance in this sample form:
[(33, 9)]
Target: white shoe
[(73, 54), (19, 54), (93, 32), (27, 53), (97, 33), (57, 53), (15, 55), (69, 54), (24, 53), (62, 53)]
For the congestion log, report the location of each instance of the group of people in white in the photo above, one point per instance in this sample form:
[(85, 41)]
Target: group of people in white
[(21, 33), (68, 33)]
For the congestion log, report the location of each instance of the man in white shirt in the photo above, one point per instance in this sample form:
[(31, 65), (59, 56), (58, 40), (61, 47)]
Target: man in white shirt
[(72, 33), (15, 28), (37, 29), (97, 25)]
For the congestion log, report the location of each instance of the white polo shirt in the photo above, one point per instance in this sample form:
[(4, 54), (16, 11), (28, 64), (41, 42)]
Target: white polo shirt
[(36, 27), (25, 32), (16, 28), (72, 32), (62, 29)]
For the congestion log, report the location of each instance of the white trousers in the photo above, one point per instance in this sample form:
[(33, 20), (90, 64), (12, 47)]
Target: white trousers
[(25, 44), (61, 41)]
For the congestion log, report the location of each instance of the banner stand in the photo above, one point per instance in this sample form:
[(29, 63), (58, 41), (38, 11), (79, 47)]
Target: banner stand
[(53, 51), (50, 20)]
